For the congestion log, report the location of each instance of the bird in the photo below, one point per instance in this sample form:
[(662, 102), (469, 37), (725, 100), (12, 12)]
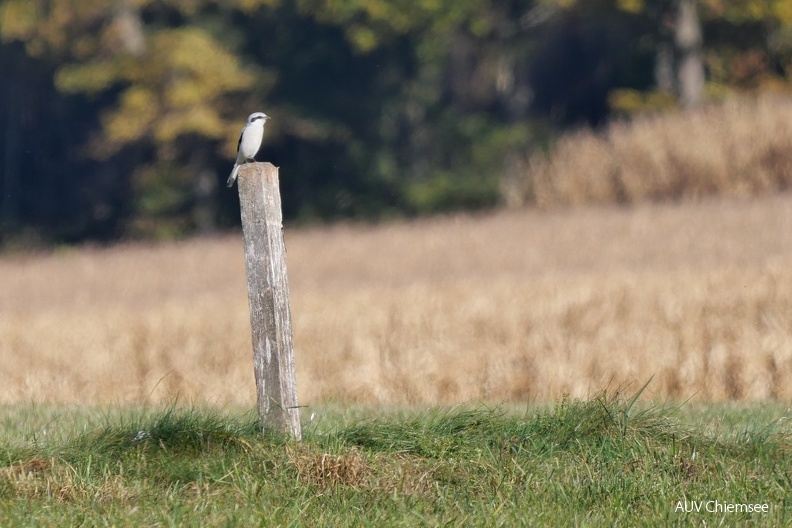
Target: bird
[(249, 142)]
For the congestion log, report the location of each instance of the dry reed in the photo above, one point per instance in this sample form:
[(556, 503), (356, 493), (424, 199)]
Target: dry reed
[(736, 148), (515, 306)]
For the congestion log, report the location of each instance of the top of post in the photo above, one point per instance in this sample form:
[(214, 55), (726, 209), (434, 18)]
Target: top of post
[(258, 169)]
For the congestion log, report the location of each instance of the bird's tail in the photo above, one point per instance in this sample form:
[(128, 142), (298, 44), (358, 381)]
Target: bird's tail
[(233, 177)]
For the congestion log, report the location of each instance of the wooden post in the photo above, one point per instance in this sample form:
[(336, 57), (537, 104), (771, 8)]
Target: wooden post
[(268, 297)]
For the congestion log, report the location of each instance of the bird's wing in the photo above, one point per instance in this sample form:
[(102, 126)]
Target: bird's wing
[(240, 138)]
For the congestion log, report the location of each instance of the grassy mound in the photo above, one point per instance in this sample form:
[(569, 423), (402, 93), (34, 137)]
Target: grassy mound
[(600, 461)]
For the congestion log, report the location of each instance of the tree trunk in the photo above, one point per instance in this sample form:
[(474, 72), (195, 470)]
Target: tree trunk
[(664, 68), (204, 210), (129, 27), (690, 65)]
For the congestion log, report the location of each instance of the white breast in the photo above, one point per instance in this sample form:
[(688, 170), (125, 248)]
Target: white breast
[(251, 139)]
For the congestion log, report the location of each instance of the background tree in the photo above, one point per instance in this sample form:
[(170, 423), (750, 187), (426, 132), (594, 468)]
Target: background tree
[(120, 118)]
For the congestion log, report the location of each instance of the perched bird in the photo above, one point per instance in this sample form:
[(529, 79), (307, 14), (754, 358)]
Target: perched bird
[(249, 142)]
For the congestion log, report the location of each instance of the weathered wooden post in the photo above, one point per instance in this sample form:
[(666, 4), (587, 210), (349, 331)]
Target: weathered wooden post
[(268, 297)]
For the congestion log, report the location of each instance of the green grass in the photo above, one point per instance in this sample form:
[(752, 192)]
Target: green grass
[(604, 461)]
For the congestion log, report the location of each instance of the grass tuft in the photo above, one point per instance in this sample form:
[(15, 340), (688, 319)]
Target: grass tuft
[(322, 470), (434, 434), (174, 429)]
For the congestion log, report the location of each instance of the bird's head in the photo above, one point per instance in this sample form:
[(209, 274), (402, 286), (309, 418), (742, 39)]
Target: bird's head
[(256, 116)]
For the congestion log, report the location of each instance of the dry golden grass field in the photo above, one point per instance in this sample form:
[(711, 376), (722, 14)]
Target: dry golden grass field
[(510, 306)]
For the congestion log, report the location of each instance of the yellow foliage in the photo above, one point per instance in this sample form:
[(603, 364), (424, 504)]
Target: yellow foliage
[(194, 52), (783, 10), (90, 77), (626, 101), (201, 120), (133, 118), (751, 10), (250, 5), (172, 89), (363, 38), (49, 25), (560, 3), (172, 85), (184, 92), (17, 20), (367, 22), (189, 69), (631, 6)]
